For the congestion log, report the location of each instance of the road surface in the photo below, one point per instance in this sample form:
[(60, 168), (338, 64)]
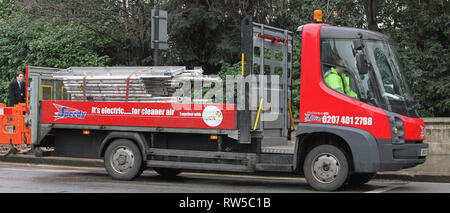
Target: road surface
[(199, 191), (25, 178)]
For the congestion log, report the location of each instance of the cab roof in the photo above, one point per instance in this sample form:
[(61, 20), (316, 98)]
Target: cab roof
[(334, 32)]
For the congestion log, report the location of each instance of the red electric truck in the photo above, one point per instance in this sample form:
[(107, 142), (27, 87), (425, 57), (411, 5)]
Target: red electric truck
[(340, 139)]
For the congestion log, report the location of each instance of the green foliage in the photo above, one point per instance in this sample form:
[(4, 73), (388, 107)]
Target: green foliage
[(63, 46), (422, 32), (296, 58), (201, 36), (42, 43), (227, 69), (58, 33)]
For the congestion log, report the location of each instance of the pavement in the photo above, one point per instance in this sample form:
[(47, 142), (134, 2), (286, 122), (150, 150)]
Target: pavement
[(426, 172)]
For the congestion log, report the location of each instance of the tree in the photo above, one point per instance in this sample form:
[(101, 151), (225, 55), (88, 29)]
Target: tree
[(126, 23), (422, 34), (43, 43), (371, 14), (207, 33)]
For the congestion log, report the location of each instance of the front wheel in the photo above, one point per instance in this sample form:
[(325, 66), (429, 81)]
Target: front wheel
[(326, 168), (123, 160)]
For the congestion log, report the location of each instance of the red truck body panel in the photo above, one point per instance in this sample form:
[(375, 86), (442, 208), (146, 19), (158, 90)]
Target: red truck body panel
[(207, 116), (414, 128)]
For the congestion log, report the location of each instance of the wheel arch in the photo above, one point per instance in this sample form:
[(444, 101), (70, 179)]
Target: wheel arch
[(307, 142), (359, 145)]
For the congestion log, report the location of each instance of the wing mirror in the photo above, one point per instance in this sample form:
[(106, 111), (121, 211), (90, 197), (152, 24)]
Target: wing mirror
[(361, 63), (358, 44)]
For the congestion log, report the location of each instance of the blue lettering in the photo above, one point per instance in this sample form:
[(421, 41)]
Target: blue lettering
[(310, 117), (63, 113)]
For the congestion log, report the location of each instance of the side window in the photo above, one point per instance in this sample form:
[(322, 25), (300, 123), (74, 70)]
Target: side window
[(338, 66)]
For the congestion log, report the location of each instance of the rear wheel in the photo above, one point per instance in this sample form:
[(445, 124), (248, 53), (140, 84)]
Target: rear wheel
[(123, 160), (326, 168)]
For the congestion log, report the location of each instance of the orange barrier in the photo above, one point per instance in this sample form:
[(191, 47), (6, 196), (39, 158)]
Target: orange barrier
[(14, 130)]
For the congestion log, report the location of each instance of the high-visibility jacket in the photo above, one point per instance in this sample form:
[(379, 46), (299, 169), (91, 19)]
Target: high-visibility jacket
[(339, 82)]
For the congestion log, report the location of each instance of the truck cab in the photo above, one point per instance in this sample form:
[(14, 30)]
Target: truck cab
[(376, 126)]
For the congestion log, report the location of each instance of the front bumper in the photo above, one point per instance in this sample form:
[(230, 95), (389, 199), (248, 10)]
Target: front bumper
[(401, 156)]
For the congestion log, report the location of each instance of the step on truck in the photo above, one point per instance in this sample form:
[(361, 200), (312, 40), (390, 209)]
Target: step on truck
[(138, 118)]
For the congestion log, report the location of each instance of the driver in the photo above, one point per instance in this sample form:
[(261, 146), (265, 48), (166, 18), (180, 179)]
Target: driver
[(336, 79)]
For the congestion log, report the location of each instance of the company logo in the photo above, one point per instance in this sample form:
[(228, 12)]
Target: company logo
[(68, 112), (309, 117), (212, 116)]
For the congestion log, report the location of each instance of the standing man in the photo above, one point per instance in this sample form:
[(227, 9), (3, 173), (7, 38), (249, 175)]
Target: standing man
[(17, 90)]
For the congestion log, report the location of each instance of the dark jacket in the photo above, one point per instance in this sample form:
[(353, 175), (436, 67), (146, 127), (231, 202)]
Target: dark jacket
[(16, 93)]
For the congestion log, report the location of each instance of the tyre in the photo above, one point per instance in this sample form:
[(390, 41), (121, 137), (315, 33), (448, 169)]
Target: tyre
[(357, 179), (167, 172), (123, 160), (326, 168)]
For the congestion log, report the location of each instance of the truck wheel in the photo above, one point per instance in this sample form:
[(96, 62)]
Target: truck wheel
[(326, 168), (167, 172), (123, 160)]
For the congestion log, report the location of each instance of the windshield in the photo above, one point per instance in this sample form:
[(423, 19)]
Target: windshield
[(395, 93), (388, 71), (383, 86)]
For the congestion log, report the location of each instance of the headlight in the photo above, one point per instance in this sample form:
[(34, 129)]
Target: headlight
[(397, 128)]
